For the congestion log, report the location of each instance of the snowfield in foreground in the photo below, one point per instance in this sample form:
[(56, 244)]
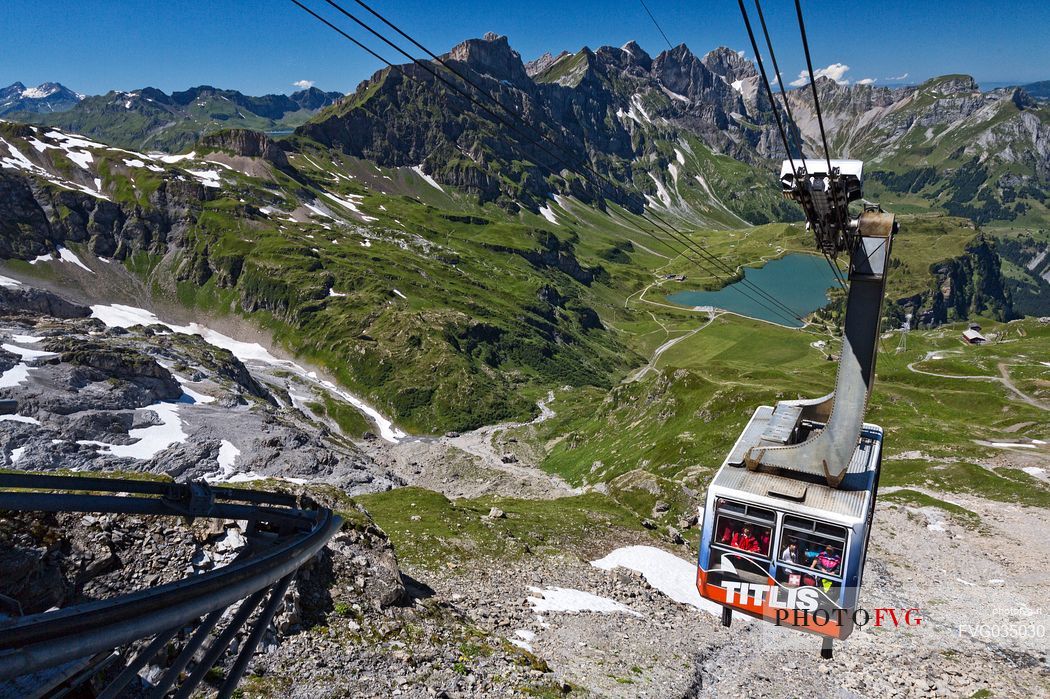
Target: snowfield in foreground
[(671, 575), (121, 316)]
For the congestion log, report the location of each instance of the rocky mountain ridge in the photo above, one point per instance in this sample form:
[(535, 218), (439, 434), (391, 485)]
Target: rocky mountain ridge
[(622, 112)]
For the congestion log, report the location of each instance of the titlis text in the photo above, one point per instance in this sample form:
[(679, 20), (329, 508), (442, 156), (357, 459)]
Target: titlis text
[(801, 606)]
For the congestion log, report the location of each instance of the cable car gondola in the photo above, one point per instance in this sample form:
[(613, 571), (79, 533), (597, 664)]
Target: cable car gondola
[(788, 516)]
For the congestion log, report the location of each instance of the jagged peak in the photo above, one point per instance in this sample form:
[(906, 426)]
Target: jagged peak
[(629, 56), (635, 50), (636, 55), (490, 55), (724, 52), (728, 63)]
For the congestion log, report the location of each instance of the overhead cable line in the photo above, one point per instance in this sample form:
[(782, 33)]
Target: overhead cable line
[(658, 27), (813, 83), (677, 235), (582, 160), (773, 106), (790, 120), (810, 210), (820, 119)]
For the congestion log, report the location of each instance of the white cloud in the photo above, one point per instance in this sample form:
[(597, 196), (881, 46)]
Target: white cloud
[(742, 54), (899, 77), (835, 71), (866, 81), (303, 84)]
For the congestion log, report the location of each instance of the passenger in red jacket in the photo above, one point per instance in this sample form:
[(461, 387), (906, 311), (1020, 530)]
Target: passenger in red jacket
[(745, 541)]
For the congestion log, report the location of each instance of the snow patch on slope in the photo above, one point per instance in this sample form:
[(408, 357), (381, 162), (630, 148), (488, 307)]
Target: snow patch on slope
[(152, 439), (564, 599), (65, 255), (418, 169), (548, 213), (350, 204), (118, 315), (661, 190), (665, 571)]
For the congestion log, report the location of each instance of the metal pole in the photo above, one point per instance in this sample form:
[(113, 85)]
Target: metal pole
[(132, 670), (219, 645), (254, 637), (161, 688)]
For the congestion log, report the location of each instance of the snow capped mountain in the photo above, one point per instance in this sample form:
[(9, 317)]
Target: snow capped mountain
[(46, 97), (150, 118)]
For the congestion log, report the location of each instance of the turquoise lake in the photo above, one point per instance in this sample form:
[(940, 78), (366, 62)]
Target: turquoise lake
[(800, 282)]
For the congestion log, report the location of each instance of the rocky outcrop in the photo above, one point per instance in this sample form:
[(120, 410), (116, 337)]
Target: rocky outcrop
[(245, 142), (116, 362), (491, 56), (151, 400), (962, 287), (350, 622), (38, 302)]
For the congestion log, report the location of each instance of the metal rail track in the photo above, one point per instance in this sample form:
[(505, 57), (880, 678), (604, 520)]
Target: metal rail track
[(44, 654)]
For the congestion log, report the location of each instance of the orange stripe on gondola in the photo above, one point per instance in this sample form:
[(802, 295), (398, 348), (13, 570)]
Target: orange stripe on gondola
[(798, 619)]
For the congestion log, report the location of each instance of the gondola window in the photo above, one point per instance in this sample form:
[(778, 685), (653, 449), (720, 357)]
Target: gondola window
[(811, 554), (744, 528)]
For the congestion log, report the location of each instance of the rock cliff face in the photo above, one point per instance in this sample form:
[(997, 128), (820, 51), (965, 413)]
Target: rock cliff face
[(146, 399), (961, 288), (36, 220), (1030, 289), (248, 143)]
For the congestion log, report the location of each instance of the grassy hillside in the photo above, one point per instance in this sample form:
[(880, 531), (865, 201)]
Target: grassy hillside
[(444, 313)]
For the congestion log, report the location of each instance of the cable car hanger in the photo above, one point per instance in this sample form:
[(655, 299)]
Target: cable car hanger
[(867, 240), (788, 516)]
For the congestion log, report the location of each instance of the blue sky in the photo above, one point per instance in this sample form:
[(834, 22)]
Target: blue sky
[(267, 45)]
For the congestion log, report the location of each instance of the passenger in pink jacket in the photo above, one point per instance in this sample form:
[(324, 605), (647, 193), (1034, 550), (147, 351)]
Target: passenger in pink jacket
[(827, 560)]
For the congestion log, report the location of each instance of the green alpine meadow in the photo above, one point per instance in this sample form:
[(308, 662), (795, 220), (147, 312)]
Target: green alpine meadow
[(455, 307)]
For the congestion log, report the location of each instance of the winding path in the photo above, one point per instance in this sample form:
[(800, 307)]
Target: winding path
[(479, 444), (1003, 378), (651, 366)]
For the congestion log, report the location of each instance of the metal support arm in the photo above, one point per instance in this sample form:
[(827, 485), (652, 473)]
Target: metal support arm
[(828, 451)]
